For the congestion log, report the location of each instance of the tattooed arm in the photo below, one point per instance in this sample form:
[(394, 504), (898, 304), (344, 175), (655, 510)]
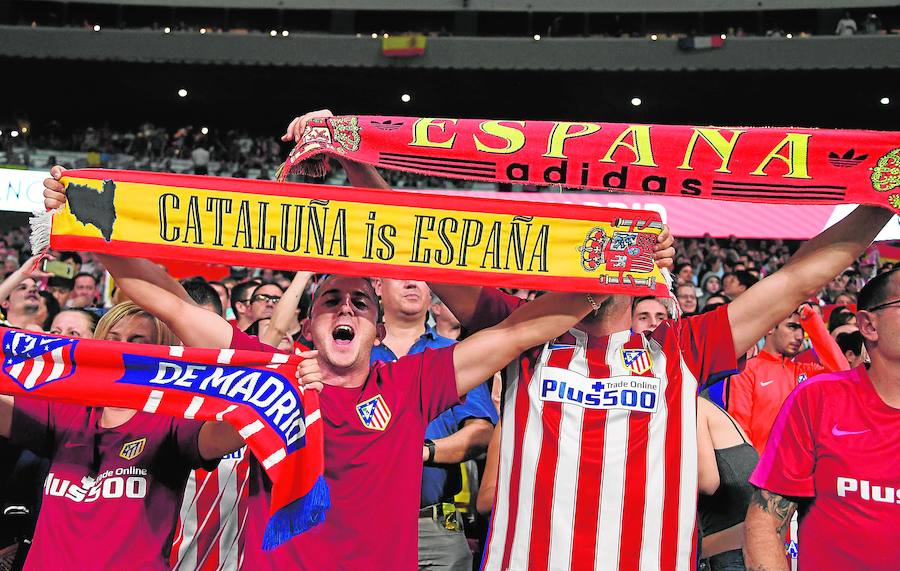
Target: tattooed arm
[(767, 522)]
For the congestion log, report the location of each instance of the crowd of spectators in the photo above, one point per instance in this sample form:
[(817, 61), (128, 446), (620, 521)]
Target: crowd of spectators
[(708, 273), (776, 23), (152, 147), (189, 149)]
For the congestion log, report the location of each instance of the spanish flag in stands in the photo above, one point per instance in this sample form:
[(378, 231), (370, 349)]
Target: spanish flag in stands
[(406, 45)]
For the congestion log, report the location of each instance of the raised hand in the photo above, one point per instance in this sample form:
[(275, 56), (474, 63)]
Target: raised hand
[(54, 191), (296, 127)]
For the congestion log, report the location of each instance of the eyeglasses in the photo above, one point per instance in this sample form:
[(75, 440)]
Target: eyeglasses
[(264, 298), (884, 305)]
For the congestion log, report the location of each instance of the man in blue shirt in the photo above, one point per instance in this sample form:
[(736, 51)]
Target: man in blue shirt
[(459, 434)]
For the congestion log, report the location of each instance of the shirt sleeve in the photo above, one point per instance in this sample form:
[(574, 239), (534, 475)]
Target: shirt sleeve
[(430, 375), (244, 342), (493, 306), (787, 466), (33, 426), (707, 345), (187, 438), (478, 404)]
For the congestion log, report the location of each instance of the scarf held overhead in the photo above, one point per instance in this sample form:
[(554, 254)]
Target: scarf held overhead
[(800, 166), (405, 235), (254, 392)]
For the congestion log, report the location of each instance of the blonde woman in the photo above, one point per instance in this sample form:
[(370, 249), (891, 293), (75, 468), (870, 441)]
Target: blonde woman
[(117, 475)]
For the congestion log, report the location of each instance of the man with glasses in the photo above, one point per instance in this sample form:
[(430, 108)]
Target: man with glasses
[(251, 302), (833, 452), (264, 300), (687, 298)]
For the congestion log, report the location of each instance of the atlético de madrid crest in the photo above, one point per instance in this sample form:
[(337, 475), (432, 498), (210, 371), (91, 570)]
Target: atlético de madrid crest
[(637, 360), (374, 413), (133, 449), (35, 360)]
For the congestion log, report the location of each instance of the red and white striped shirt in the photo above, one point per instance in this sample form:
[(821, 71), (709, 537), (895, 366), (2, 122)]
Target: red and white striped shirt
[(210, 531), (598, 454)]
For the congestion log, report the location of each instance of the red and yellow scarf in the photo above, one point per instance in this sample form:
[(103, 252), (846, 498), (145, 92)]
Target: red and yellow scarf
[(405, 235), (790, 165)]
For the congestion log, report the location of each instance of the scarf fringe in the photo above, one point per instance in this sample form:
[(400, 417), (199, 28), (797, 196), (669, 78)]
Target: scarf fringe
[(316, 167), (41, 223), (298, 516)]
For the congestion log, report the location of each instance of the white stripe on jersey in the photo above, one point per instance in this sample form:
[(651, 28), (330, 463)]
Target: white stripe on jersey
[(226, 504), (615, 454), (531, 448), (500, 517), (651, 534), (219, 534), (229, 555), (687, 495), (187, 549), (565, 481)]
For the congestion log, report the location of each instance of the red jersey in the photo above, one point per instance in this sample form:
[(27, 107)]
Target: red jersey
[(210, 531), (112, 495), (754, 396), (373, 466), (837, 443), (598, 454)]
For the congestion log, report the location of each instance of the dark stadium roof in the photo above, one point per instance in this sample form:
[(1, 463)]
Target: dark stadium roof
[(469, 53)]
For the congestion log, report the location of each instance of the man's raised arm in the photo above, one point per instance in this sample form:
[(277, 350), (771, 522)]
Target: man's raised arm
[(817, 261), (285, 311), (149, 286), (481, 355)]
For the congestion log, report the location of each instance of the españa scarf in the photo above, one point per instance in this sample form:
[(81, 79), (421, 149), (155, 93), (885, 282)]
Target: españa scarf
[(254, 392), (799, 166), (405, 235)]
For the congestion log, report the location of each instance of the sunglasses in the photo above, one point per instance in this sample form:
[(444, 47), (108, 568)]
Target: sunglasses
[(264, 298)]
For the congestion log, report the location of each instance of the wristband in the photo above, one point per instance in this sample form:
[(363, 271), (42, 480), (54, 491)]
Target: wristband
[(430, 445)]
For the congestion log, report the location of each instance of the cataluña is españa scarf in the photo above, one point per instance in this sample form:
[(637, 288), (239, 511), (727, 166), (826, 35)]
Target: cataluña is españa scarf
[(257, 393), (351, 231), (775, 165)]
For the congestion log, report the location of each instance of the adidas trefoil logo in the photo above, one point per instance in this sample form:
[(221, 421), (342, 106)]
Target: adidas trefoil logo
[(846, 160), (387, 125)]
